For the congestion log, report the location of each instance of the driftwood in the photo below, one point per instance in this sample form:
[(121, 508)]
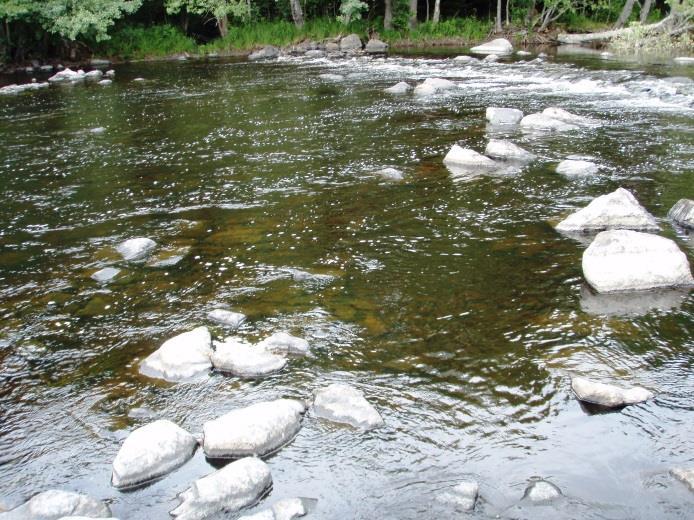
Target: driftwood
[(671, 25)]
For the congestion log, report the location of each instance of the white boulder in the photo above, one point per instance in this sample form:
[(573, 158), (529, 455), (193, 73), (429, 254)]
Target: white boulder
[(105, 275), (682, 213), (623, 260), (105, 82), (284, 343), (490, 58), (244, 360), (55, 504), (565, 116), (345, 404), (286, 509), (498, 46), (577, 168), (607, 395), (464, 58), (136, 248), (390, 174), (524, 53), (503, 116), (399, 88), (468, 158), (180, 357), (227, 318), (506, 150), (463, 496), (94, 75), (67, 75), (332, 77), (686, 476), (151, 451), (237, 485), (260, 429), (542, 491), (616, 210), (431, 86), (543, 123)]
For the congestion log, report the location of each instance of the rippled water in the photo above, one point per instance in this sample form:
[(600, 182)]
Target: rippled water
[(454, 305)]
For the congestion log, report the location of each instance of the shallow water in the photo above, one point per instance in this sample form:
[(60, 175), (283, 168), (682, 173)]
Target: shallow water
[(453, 304)]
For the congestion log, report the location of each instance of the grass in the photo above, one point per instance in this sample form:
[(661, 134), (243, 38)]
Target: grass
[(136, 42), (467, 30)]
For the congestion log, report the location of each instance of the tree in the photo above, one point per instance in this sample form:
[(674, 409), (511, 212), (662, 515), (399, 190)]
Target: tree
[(645, 9), (413, 14), (437, 12), (625, 14), (497, 25), (220, 10), (388, 15), (297, 13)]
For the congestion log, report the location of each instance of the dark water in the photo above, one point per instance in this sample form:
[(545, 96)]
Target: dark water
[(453, 305)]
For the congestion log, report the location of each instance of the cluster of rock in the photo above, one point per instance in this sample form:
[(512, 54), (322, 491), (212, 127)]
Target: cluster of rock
[(71, 77), (18, 89), (345, 46)]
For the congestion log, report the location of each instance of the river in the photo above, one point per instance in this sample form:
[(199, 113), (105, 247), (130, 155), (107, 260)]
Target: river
[(452, 304)]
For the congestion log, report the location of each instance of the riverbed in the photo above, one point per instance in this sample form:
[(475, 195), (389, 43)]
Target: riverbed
[(452, 303)]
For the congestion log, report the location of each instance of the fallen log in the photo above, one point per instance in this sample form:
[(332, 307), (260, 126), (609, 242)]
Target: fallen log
[(668, 24)]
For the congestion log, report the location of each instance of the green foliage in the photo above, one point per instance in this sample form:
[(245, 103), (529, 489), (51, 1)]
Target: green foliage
[(351, 10), (461, 29), (135, 42), (218, 8)]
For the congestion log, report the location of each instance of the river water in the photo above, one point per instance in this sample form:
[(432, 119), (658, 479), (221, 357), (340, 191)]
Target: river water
[(452, 304)]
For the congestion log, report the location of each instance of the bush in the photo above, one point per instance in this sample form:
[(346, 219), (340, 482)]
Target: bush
[(136, 42)]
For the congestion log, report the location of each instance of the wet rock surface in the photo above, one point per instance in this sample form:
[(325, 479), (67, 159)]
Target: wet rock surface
[(682, 213), (55, 504), (609, 396), (342, 403), (244, 360), (181, 357)]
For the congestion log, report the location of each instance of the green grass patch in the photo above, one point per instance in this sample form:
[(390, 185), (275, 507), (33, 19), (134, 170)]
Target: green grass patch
[(459, 29), (136, 42)]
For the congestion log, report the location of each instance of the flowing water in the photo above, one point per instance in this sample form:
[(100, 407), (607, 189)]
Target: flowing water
[(452, 304)]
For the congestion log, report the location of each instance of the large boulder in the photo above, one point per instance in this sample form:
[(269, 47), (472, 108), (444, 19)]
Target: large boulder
[(260, 429), (150, 452), (431, 86), (350, 42), (399, 88), (608, 396), (623, 260), (237, 485), (463, 496), (94, 75), (498, 46), (466, 157), (503, 116), (682, 213), (180, 357), (55, 504), (227, 318), (345, 404), (67, 75), (577, 168), (507, 151), (542, 123), (542, 491), (285, 509), (375, 46), (136, 248), (616, 210), (244, 360), (283, 343), (266, 53), (686, 476)]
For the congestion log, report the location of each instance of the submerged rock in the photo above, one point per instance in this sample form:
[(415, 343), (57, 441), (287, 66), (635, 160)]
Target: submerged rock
[(577, 168), (682, 213), (105, 82), (55, 504), (345, 404), (150, 452), (498, 46), (245, 360), (260, 429), (506, 150), (266, 53), (630, 304), (136, 248), (283, 343), (541, 122), (375, 46), (432, 86), (686, 476), (351, 42), (463, 496), (390, 174), (105, 275), (623, 260), (399, 88), (464, 59), (503, 116), (491, 58), (286, 509), (227, 318), (469, 158), (542, 491), (94, 75), (616, 210), (567, 117), (235, 486), (607, 395), (181, 357), (332, 77)]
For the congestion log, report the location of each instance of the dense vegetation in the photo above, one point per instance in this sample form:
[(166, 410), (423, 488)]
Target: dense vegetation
[(73, 29)]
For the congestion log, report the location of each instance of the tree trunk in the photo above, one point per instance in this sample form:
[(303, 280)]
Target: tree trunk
[(388, 17), (223, 25), (625, 14), (508, 13), (427, 11), (497, 27), (667, 24), (531, 12), (645, 10), (437, 11), (413, 14), (297, 13)]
